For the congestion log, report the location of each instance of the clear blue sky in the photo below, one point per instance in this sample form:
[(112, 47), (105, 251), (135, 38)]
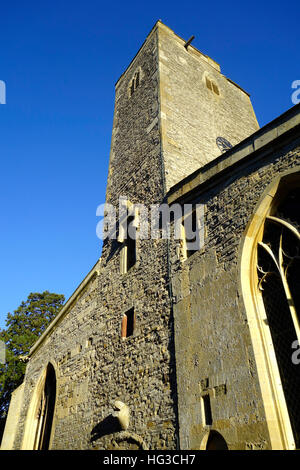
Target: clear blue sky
[(60, 61)]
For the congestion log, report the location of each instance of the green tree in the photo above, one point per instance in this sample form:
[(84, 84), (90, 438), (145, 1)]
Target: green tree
[(23, 328)]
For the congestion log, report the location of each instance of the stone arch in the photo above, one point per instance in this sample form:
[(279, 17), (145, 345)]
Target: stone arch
[(216, 441), (276, 410), (213, 440), (135, 81), (39, 422)]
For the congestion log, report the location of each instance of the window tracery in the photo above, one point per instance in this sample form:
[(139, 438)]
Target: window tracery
[(278, 270)]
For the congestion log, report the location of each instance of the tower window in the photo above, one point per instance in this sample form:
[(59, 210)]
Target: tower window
[(193, 231), (135, 82), (207, 410), (130, 247), (128, 240), (208, 84), (215, 88), (212, 86), (128, 324)]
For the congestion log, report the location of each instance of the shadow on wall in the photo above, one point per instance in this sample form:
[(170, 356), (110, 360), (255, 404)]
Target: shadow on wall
[(108, 425), (216, 441), (2, 426)]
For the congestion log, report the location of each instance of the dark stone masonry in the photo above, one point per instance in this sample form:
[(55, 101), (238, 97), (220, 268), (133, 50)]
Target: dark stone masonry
[(160, 347)]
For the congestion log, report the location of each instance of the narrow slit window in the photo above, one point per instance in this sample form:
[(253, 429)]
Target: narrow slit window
[(208, 84), (130, 244), (211, 85), (134, 83), (127, 237), (215, 88), (132, 88), (207, 410), (128, 324)]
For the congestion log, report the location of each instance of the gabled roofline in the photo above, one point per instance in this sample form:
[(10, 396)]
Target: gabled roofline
[(62, 313)]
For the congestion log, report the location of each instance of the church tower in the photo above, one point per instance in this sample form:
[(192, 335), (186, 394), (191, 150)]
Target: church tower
[(108, 360), (174, 112)]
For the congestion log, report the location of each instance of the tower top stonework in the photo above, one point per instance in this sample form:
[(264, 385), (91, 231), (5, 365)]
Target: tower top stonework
[(175, 110)]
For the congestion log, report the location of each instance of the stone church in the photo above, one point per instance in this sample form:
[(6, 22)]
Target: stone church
[(166, 344)]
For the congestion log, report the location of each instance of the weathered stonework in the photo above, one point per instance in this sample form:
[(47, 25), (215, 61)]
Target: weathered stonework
[(94, 365), (189, 367), (214, 351), (193, 116)]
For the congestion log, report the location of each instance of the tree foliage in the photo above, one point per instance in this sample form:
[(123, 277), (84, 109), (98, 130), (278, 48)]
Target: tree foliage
[(23, 328)]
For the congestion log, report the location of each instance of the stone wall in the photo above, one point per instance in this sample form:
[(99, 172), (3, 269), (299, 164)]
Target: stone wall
[(214, 352), (158, 137), (140, 371), (192, 115), (69, 348), (94, 365)]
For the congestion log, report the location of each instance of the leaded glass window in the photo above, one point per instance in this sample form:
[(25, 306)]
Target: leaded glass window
[(278, 270)]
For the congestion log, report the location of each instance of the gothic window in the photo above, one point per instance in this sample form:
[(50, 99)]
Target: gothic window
[(135, 82), (45, 411), (278, 269)]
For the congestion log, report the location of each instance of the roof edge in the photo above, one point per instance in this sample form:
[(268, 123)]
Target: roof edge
[(278, 128), (94, 271)]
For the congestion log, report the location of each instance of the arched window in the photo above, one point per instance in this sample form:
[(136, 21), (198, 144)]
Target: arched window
[(216, 441), (45, 411), (278, 267), (271, 291), (213, 440), (134, 82)]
